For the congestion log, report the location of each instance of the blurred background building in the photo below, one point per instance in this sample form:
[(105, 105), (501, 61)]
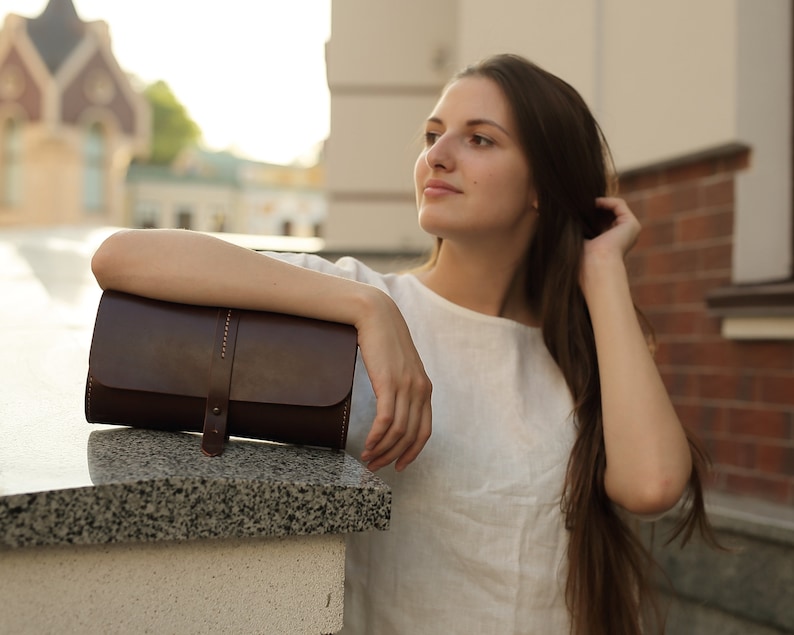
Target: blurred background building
[(221, 192), (70, 120), (76, 146)]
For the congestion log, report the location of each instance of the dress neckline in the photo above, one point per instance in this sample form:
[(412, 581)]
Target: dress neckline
[(466, 312)]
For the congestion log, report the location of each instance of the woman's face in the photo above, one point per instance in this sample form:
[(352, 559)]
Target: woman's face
[(472, 178)]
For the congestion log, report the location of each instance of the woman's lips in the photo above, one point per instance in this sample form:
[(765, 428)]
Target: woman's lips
[(437, 187)]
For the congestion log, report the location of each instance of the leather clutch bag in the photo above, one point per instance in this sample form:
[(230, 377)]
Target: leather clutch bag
[(220, 371)]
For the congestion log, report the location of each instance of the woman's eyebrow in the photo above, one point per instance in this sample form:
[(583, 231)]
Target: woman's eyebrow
[(471, 123)]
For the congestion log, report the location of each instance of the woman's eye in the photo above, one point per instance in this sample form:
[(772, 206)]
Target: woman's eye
[(480, 140), (430, 138)]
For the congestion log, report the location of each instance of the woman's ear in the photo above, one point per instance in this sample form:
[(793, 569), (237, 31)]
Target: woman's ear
[(533, 199)]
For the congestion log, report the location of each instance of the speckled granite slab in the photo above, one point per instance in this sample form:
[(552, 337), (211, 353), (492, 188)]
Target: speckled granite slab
[(152, 486), (65, 481)]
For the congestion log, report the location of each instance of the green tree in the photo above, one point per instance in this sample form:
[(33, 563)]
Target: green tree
[(172, 127)]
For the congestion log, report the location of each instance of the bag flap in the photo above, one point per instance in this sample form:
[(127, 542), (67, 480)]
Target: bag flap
[(162, 347), (292, 360)]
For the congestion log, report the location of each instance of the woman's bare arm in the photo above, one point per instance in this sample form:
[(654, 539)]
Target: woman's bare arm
[(647, 452)]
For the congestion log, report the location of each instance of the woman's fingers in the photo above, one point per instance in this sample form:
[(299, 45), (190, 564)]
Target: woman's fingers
[(402, 425), (421, 438)]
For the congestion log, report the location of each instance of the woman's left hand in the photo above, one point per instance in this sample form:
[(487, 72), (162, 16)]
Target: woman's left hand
[(620, 237), (610, 247)]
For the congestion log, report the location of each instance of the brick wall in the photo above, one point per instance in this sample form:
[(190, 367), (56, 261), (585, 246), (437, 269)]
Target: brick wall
[(738, 395)]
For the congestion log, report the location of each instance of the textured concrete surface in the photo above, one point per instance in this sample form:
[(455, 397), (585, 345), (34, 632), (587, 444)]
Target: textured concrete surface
[(748, 589), (273, 586)]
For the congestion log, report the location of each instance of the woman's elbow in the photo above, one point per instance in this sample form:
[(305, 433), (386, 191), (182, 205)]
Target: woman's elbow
[(652, 497), (106, 262)]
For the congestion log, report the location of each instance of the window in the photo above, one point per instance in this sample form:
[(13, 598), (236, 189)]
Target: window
[(184, 218), (147, 214), (94, 169), (219, 219), (11, 177)]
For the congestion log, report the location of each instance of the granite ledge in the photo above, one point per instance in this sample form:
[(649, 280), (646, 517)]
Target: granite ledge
[(157, 486)]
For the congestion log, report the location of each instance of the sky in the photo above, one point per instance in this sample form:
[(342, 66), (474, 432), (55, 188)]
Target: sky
[(251, 73)]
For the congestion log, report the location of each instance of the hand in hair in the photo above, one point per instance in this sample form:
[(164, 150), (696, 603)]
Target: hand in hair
[(621, 235), (613, 243)]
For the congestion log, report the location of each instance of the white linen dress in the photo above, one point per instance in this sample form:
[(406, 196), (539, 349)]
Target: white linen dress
[(477, 542)]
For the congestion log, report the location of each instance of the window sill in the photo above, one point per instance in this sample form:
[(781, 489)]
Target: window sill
[(755, 312)]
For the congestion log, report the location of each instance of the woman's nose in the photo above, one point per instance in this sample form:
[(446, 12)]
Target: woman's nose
[(439, 156)]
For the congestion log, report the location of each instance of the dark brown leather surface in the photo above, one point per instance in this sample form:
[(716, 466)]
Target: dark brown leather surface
[(151, 364)]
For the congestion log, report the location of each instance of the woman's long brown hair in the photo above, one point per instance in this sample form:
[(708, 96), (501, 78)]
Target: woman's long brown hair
[(608, 588)]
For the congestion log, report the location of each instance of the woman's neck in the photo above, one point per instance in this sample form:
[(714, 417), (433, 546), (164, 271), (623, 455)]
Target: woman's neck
[(489, 283)]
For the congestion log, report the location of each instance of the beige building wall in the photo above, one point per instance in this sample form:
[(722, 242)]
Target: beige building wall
[(666, 79), (386, 64)]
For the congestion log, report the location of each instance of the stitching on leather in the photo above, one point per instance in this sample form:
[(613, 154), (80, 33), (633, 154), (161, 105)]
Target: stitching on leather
[(226, 333), (90, 382), (344, 426)]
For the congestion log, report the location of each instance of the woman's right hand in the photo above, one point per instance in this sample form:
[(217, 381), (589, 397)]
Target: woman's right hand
[(402, 424)]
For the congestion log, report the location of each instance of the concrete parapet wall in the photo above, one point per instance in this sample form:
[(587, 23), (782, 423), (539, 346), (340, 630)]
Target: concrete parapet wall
[(747, 589)]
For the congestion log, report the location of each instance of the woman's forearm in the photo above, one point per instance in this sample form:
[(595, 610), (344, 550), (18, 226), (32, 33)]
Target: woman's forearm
[(184, 266), (647, 453)]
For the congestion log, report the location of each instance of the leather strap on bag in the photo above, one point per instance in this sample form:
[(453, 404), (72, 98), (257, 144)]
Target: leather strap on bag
[(217, 410)]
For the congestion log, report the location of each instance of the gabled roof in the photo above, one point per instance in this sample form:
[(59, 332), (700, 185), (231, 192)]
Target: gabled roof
[(56, 32)]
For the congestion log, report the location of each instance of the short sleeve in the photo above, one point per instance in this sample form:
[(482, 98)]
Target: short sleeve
[(345, 267)]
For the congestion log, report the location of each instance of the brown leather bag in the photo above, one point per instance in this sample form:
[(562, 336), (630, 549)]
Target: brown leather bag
[(219, 371)]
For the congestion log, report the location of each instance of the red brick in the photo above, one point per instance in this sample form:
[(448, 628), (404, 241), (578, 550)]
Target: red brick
[(702, 419), (758, 423), (667, 262), (715, 257), (669, 322), (719, 193), (769, 488), (658, 205), (685, 197), (766, 355), (710, 325), (693, 355), (675, 353), (775, 459), (680, 385), (705, 226), (649, 294), (636, 203), (778, 390), (635, 265), (730, 386), (675, 322), (639, 181), (655, 234), (689, 172), (733, 453), (694, 290)]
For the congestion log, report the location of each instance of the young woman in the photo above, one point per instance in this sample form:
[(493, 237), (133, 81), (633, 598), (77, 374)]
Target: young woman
[(551, 425)]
